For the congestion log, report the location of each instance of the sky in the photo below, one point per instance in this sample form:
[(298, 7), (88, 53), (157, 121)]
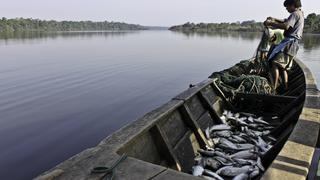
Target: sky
[(151, 12)]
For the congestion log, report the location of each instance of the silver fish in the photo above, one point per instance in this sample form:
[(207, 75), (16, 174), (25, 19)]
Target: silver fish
[(234, 140), (218, 149), (262, 142), (223, 119), (221, 154), (242, 176), (215, 140), (236, 122), (246, 114), (224, 143), (271, 138), (250, 119), (229, 114), (198, 160), (247, 154), (220, 127), (212, 174), (260, 146), (223, 161), (250, 133), (197, 170), (260, 165), (208, 177), (254, 173), (259, 120), (212, 163), (223, 133), (257, 133), (231, 171), (206, 153), (207, 132), (239, 139), (267, 132), (225, 112), (242, 119), (243, 162), (244, 146)]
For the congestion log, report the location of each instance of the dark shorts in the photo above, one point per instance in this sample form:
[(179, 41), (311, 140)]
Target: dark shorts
[(292, 48), (284, 59)]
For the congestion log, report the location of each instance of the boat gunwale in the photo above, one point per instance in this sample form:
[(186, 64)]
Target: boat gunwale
[(295, 158)]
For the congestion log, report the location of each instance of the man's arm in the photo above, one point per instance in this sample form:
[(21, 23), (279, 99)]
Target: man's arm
[(276, 20), (277, 25), (285, 25)]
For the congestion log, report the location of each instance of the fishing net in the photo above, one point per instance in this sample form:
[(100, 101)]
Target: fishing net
[(248, 76)]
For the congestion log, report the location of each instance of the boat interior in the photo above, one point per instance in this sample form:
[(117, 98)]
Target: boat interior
[(173, 140)]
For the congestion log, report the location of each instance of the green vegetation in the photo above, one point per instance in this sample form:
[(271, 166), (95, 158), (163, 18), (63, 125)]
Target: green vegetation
[(246, 26), (21, 24), (312, 25)]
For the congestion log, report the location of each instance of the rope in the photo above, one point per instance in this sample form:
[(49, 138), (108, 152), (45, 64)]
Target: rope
[(108, 171)]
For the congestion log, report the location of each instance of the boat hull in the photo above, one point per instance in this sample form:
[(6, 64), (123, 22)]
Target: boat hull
[(163, 143)]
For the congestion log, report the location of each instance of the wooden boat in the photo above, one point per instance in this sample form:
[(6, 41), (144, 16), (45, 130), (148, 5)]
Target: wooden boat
[(163, 143)]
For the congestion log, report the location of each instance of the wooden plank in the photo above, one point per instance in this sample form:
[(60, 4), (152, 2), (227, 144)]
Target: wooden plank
[(189, 119), (189, 93), (165, 149), (186, 150), (195, 106), (143, 147), (205, 121), (210, 94), (174, 175), (173, 126), (206, 102), (134, 169), (288, 119), (270, 155), (297, 90), (289, 106), (296, 78)]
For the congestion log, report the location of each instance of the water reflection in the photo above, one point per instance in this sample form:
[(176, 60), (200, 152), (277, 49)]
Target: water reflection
[(311, 41), (225, 34), (40, 35)]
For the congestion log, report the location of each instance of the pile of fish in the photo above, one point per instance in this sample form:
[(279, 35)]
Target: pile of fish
[(238, 144)]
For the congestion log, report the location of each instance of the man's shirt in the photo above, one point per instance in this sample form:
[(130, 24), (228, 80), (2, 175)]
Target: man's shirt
[(295, 22)]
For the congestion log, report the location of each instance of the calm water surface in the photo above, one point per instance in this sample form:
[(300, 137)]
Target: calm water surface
[(61, 93)]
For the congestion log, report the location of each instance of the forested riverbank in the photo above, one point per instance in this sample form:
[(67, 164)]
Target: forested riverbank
[(28, 24), (312, 25)]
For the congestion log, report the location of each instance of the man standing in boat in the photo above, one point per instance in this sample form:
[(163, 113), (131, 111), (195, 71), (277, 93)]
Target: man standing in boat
[(281, 55)]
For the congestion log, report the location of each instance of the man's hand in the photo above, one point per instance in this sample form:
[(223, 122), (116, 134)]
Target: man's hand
[(271, 19), (268, 23)]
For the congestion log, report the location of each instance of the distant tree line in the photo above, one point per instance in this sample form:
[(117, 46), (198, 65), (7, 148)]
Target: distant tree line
[(312, 25), (23, 24), (246, 26)]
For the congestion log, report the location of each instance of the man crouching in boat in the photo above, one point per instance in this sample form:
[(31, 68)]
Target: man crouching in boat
[(281, 56)]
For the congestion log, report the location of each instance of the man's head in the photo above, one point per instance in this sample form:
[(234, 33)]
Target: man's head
[(292, 5)]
